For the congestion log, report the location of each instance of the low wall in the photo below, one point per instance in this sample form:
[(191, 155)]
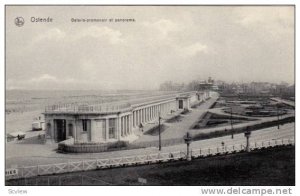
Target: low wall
[(113, 146), (220, 132), (90, 147)]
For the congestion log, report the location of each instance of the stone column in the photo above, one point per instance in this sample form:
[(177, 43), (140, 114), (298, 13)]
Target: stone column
[(119, 128), (74, 129), (106, 129), (133, 119), (52, 129), (123, 126), (137, 119), (129, 120), (131, 124), (126, 124), (153, 112)]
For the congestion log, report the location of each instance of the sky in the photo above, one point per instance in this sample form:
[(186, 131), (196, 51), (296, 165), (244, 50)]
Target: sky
[(177, 43)]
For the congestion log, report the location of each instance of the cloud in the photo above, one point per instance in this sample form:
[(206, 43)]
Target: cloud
[(103, 33), (44, 81), (51, 34), (271, 20), (171, 43), (44, 78), (194, 49), (163, 26)]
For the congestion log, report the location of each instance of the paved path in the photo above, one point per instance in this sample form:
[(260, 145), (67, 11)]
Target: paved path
[(178, 130), (287, 102), (29, 155)]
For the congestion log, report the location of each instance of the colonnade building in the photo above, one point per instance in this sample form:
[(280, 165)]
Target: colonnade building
[(114, 122)]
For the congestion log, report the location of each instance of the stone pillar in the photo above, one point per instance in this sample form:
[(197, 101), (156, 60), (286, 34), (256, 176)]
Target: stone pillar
[(106, 129), (133, 119), (52, 128), (78, 128), (126, 125), (137, 119), (141, 116), (123, 126), (135, 123), (153, 112), (119, 128), (158, 110), (74, 129), (145, 115), (131, 124)]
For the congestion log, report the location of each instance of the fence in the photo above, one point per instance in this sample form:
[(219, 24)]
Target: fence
[(87, 108), (65, 180), (85, 165)]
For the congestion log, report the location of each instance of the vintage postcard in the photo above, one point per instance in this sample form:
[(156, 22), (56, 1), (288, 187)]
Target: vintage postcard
[(155, 95)]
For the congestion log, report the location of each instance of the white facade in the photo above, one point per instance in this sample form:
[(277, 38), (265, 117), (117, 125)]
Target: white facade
[(96, 124)]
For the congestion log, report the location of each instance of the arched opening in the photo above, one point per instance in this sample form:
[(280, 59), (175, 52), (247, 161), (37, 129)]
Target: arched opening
[(60, 128), (180, 104)]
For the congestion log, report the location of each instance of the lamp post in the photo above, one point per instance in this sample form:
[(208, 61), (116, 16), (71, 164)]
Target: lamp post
[(159, 137), (247, 135), (188, 140), (277, 105), (231, 122)]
